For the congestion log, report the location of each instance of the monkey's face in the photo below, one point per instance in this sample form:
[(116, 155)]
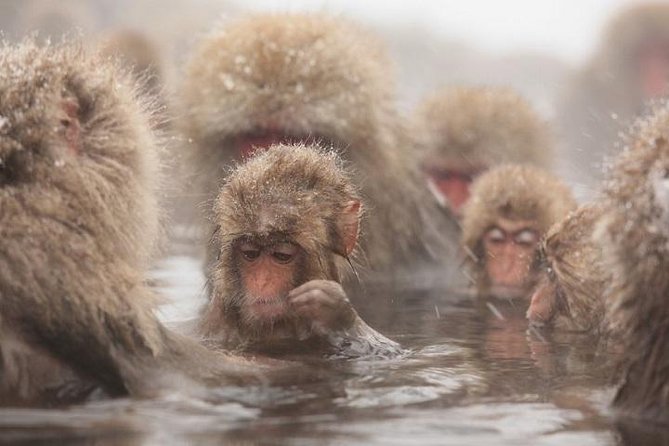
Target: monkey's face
[(268, 270), (563, 303), (545, 302), (510, 248), (557, 302), (652, 67), (551, 304), (452, 181)]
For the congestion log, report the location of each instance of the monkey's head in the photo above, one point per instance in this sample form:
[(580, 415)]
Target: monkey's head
[(273, 78), (74, 150), (510, 209), (635, 52), (285, 217), (572, 278), (634, 233), (466, 130)]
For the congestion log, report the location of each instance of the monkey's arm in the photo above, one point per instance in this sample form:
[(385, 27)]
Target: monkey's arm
[(324, 303)]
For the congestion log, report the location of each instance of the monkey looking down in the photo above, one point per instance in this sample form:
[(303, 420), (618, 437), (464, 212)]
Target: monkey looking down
[(570, 292), (277, 78), (78, 225), (287, 228), (510, 209)]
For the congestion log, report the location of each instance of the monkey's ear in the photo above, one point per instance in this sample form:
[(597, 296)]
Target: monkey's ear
[(71, 125), (349, 225)]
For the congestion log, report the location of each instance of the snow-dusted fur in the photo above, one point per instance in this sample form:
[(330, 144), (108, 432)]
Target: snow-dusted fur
[(482, 126), (635, 239), (77, 230), (513, 192), (322, 77)]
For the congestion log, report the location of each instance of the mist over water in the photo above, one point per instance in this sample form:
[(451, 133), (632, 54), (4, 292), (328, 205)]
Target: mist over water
[(467, 377), (472, 372)]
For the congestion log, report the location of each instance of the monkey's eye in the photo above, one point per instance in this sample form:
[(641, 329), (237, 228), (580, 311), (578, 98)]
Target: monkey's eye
[(495, 235), (284, 252), (526, 237), (249, 251)]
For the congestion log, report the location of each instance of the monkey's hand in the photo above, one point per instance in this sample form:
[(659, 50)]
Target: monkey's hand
[(324, 303)]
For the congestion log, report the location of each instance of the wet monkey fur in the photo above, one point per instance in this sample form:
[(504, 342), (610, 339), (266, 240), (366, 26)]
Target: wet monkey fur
[(288, 223), (570, 292), (510, 209), (634, 238), (78, 226), (464, 131), (277, 78)]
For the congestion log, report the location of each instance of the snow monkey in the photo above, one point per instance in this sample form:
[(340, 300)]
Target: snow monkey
[(272, 78), (467, 130), (78, 222), (287, 228), (510, 209), (570, 290), (634, 238)]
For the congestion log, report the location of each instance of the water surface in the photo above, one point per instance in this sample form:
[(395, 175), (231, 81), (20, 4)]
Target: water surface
[(472, 374)]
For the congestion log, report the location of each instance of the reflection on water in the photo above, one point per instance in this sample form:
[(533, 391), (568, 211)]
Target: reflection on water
[(472, 374)]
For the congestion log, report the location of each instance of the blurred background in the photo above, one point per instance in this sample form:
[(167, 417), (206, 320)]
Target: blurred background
[(528, 44), (587, 67)]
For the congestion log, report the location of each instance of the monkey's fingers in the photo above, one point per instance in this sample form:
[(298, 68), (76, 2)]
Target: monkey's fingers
[(328, 286), (315, 298), (329, 311)]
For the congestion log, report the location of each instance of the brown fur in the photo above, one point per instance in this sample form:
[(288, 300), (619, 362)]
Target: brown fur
[(313, 75), (572, 261), (482, 127), (78, 230), (292, 192), (516, 193), (635, 239)]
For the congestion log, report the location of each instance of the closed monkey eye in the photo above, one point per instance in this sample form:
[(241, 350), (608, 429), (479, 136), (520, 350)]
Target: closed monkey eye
[(527, 237), (284, 252), (250, 251), (495, 235)]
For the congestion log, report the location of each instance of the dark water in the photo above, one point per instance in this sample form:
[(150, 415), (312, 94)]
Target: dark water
[(472, 374)]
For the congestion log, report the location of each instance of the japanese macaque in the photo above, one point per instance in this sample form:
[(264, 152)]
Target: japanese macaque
[(570, 291), (634, 236), (287, 228), (139, 54), (467, 130), (78, 223), (273, 78), (630, 67), (510, 209)]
